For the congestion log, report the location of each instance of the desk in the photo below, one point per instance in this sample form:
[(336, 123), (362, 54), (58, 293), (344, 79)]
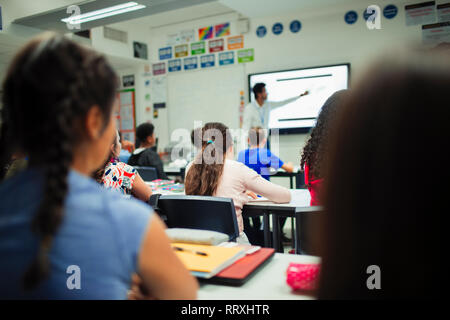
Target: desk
[(269, 283), (300, 203), (175, 171)]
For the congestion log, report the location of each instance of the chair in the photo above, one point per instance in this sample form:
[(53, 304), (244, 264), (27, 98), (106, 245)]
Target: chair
[(300, 180), (147, 173), (307, 222), (197, 212)]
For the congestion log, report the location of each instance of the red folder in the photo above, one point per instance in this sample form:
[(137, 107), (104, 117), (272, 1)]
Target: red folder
[(243, 269)]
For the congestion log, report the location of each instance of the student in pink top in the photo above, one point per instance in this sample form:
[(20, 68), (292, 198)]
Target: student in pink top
[(215, 173)]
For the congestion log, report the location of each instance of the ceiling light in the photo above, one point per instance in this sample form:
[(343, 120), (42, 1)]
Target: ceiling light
[(103, 13)]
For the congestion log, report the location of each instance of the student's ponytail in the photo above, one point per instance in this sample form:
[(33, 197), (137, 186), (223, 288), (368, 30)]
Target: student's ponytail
[(51, 85), (204, 175)]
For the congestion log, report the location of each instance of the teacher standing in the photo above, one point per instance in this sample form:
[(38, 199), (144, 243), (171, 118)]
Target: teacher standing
[(257, 112)]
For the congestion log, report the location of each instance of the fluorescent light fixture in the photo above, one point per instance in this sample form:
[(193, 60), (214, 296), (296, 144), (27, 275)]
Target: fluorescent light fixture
[(103, 13)]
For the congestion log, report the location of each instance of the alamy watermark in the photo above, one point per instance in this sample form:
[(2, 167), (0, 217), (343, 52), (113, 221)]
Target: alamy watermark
[(74, 280), (374, 280)]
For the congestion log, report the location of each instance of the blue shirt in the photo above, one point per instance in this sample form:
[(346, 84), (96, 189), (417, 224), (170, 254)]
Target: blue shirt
[(124, 156), (260, 160), (101, 233)]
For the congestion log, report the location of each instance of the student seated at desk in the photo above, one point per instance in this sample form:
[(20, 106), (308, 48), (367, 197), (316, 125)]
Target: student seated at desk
[(260, 159), (214, 173), (383, 228), (314, 150), (144, 156), (121, 176), (63, 236)]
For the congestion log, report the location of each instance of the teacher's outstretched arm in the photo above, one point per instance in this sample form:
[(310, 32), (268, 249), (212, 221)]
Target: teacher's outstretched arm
[(277, 104)]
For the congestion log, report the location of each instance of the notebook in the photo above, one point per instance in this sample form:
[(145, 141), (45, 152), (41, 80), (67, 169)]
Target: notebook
[(241, 271), (206, 261)]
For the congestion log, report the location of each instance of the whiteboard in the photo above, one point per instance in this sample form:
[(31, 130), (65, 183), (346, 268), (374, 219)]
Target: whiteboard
[(205, 95)]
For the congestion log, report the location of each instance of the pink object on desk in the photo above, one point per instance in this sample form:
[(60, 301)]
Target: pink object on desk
[(303, 276)]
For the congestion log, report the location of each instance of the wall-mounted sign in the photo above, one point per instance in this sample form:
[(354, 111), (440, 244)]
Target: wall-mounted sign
[(261, 31), (140, 50), (190, 63), (198, 48), (295, 26), (128, 81), (351, 17), (390, 11), (165, 53), (205, 33), (159, 68), (174, 65), (208, 60), (222, 30), (436, 33), (246, 55), (443, 12), (181, 50), (236, 42), (277, 28), (421, 13), (216, 45), (226, 58)]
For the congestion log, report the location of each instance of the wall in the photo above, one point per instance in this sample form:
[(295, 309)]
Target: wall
[(325, 38)]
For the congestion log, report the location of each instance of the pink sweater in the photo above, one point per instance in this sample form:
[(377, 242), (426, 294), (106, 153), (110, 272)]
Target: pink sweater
[(237, 179)]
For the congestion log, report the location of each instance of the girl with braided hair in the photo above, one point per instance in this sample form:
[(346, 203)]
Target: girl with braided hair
[(316, 146), (57, 109)]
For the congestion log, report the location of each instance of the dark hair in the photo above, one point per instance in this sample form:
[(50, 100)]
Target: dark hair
[(258, 88), (378, 212), (205, 172), (256, 135), (50, 86), (316, 146), (196, 137), (98, 174), (144, 130)]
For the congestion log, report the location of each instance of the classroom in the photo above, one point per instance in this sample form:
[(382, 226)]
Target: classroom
[(222, 150)]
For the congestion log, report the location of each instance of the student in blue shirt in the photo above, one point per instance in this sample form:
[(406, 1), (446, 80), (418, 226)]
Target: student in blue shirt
[(259, 158), (63, 236)]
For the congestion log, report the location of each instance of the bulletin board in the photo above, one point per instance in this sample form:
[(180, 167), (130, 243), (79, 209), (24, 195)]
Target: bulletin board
[(126, 114), (206, 95)]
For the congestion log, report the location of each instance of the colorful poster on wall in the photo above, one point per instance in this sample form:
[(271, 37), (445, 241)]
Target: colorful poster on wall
[(198, 48), (174, 65), (165, 53), (222, 30), (126, 114), (246, 55), (159, 68), (208, 60), (181, 50), (236, 42), (434, 34), (173, 39), (187, 35), (443, 12), (216, 45), (421, 13), (205, 33), (226, 58), (190, 63)]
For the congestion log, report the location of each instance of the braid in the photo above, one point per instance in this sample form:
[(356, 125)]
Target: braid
[(50, 213), (63, 81)]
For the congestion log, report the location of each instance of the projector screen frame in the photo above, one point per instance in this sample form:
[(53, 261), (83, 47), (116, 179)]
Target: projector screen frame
[(298, 130)]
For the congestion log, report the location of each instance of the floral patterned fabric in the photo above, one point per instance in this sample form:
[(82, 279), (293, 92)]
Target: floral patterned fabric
[(120, 176)]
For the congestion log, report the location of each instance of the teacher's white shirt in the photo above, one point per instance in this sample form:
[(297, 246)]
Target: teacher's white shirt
[(256, 116)]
